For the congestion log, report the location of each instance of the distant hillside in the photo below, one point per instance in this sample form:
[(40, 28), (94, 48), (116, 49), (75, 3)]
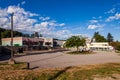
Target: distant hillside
[(4, 33), (7, 33)]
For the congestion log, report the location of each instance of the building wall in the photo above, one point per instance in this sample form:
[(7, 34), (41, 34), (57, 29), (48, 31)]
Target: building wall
[(16, 41), (60, 42), (99, 46), (48, 40)]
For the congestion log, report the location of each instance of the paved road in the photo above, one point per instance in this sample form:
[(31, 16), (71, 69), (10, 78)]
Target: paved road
[(60, 59)]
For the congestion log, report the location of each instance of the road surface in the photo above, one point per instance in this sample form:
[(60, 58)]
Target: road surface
[(60, 59)]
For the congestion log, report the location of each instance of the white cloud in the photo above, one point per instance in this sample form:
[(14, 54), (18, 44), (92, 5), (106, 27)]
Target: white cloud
[(95, 26), (93, 21), (111, 11), (92, 26), (100, 17), (12, 9), (24, 21), (62, 24), (23, 2), (3, 13), (44, 18), (117, 28), (115, 17), (63, 34)]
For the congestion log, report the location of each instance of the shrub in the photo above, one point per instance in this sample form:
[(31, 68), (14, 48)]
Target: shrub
[(80, 52)]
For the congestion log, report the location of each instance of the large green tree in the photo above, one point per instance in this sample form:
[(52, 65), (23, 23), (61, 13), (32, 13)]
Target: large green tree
[(6, 34), (116, 45), (99, 38), (109, 38), (74, 41)]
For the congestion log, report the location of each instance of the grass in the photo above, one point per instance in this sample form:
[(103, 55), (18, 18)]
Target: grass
[(17, 66), (88, 72), (81, 52)]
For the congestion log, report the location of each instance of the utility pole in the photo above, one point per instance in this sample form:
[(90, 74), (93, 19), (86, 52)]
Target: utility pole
[(12, 61), (12, 35)]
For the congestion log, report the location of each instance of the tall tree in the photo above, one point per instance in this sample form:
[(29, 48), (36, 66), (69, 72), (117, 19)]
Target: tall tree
[(32, 35), (99, 38), (6, 34), (36, 34), (109, 38), (116, 45), (41, 35), (75, 41)]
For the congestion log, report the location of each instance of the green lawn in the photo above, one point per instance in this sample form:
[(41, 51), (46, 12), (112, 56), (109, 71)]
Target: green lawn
[(17, 66), (88, 72)]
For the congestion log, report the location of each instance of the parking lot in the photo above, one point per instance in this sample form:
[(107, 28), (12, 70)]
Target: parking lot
[(60, 59)]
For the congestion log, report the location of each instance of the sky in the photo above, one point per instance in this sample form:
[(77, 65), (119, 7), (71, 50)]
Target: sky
[(62, 18)]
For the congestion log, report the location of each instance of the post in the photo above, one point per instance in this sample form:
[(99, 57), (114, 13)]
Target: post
[(12, 35), (28, 65), (12, 61)]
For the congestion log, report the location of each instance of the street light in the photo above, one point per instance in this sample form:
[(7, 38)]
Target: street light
[(11, 60)]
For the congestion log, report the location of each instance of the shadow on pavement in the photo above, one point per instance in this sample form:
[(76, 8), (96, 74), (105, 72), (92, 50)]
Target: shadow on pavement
[(46, 58), (34, 68), (4, 57), (59, 73)]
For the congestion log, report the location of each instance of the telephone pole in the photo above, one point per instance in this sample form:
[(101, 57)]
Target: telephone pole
[(12, 61)]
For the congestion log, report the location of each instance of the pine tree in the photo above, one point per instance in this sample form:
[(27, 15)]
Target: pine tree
[(109, 38), (98, 37)]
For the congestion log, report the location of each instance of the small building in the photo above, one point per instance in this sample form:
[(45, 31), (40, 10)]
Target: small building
[(53, 42), (91, 44), (100, 46), (33, 43), (59, 43), (22, 41), (48, 42)]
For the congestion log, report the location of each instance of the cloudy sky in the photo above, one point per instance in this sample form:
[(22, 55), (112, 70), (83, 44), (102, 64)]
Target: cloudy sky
[(62, 18)]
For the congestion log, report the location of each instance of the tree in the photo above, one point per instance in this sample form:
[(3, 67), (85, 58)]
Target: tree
[(1, 30), (116, 45), (109, 38), (99, 38), (36, 34), (6, 34), (26, 35), (17, 34), (74, 41), (32, 35), (41, 35)]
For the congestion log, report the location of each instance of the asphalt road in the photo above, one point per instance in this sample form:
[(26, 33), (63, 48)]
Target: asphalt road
[(60, 59)]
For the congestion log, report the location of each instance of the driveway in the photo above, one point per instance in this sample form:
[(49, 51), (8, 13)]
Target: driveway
[(60, 59)]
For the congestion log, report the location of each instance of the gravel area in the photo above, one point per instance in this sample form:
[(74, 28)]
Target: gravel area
[(60, 59)]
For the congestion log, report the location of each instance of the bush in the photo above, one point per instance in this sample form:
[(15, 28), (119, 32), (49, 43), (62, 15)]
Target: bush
[(118, 47), (80, 52), (16, 45)]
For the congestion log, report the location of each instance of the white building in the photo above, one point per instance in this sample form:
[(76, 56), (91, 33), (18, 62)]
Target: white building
[(102, 46), (99, 46)]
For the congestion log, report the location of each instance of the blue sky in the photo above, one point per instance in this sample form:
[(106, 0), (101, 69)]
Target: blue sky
[(62, 18)]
